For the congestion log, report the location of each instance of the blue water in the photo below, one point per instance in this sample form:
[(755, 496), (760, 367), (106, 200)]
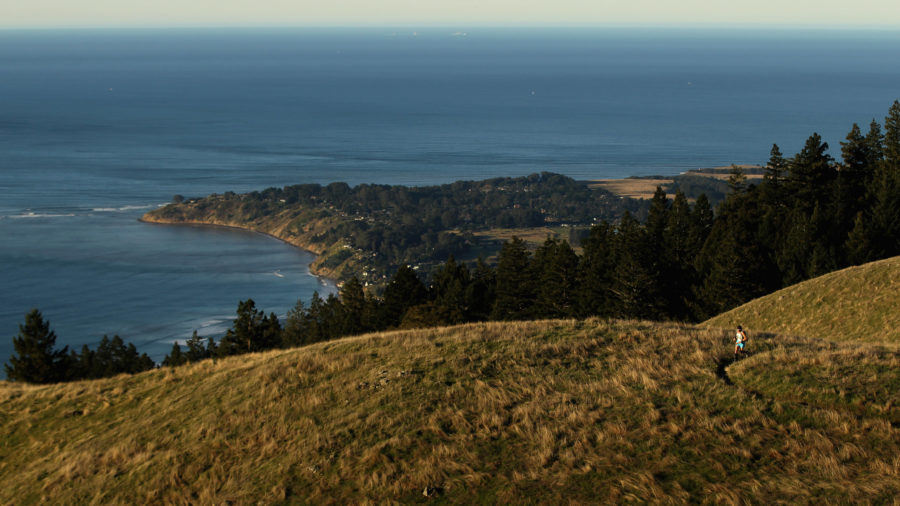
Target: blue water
[(96, 127)]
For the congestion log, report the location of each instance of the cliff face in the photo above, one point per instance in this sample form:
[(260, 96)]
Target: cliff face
[(300, 226)]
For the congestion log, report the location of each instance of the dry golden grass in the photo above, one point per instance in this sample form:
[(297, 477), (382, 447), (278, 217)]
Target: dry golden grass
[(632, 188), (545, 412), (724, 172), (856, 304), (639, 188), (534, 237)]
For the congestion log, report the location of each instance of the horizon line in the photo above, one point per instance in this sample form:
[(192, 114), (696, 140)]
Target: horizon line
[(457, 26)]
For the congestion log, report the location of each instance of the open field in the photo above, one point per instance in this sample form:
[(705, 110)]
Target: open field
[(633, 188), (644, 188), (551, 412), (859, 303)]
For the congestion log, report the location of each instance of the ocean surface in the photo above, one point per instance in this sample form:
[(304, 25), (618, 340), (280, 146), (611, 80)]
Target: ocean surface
[(97, 127)]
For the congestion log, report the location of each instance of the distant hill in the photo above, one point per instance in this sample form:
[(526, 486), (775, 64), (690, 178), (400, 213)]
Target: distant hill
[(859, 303), (547, 412)]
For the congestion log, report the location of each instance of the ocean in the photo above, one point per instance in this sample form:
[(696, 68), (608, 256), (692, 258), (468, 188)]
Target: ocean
[(99, 126)]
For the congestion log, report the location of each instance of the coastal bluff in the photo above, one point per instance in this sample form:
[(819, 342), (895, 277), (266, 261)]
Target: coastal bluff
[(368, 231)]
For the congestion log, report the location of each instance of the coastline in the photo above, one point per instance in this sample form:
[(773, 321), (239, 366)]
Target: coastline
[(317, 272), (310, 225)]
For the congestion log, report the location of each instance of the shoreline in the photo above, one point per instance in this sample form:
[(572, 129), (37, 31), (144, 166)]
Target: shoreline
[(320, 276), (337, 261)]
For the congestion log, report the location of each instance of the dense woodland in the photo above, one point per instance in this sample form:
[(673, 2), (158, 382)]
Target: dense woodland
[(398, 225), (810, 215)]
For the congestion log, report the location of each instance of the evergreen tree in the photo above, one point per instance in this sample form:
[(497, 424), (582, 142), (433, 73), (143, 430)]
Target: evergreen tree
[(37, 361), (702, 219), (196, 349), (736, 266), (481, 292), (449, 287), (403, 291), (884, 215), (82, 363), (737, 181), (296, 326), (250, 331), (555, 267), (112, 357), (175, 357), (811, 174), (212, 349), (892, 138), (853, 176), (595, 271), (314, 321), (874, 145), (823, 257), (657, 216), (681, 250), (353, 307), (772, 187), (775, 167), (515, 285), (859, 244), (634, 286), (855, 151), (793, 256)]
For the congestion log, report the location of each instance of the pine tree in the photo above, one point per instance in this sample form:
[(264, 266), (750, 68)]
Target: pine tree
[(449, 287), (481, 292), (250, 331), (403, 291), (657, 216), (874, 145), (855, 151), (702, 219), (859, 244), (353, 307), (634, 286), (853, 177), (37, 361), (175, 357), (811, 174), (772, 187), (681, 250), (196, 350), (296, 328), (555, 266), (515, 285), (595, 271), (892, 138), (794, 254), (737, 181)]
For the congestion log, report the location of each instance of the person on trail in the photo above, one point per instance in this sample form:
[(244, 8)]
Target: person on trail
[(740, 339)]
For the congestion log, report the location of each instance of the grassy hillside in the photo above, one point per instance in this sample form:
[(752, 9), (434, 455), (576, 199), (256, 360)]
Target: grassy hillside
[(550, 412), (856, 304)]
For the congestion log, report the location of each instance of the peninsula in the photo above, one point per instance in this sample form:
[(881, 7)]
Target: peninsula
[(369, 230)]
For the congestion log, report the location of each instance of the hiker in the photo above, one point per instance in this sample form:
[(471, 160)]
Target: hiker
[(740, 338)]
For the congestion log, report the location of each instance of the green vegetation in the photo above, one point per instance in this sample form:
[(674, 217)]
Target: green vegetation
[(855, 304), (38, 361), (370, 230), (550, 412)]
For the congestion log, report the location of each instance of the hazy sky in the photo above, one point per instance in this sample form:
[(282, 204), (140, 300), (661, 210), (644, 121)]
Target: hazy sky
[(462, 13)]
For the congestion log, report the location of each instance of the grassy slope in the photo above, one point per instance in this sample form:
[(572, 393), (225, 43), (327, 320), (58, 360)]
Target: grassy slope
[(552, 412), (856, 304)]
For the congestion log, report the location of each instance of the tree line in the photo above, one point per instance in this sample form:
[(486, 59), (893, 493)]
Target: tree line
[(38, 361), (808, 216)]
